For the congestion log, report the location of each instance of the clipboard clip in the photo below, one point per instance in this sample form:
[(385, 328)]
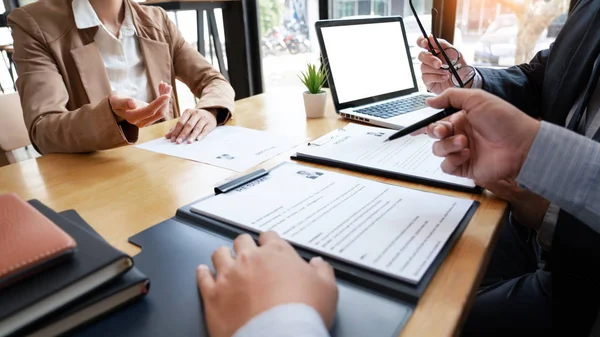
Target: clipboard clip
[(241, 181)]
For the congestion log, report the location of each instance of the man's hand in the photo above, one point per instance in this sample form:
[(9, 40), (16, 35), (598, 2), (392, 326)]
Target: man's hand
[(487, 141), (528, 208), (193, 125), (435, 78), (140, 113), (260, 278)]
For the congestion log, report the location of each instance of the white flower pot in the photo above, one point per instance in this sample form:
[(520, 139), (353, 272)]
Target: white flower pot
[(314, 104)]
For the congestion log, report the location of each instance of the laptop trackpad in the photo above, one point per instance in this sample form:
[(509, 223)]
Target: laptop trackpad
[(412, 117)]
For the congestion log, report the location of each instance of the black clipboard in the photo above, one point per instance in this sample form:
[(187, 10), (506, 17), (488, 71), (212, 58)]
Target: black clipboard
[(374, 281), (385, 173), (172, 249)]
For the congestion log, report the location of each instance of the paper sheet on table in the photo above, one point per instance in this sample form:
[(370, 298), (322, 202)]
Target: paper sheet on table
[(365, 146), (385, 228), (231, 147)]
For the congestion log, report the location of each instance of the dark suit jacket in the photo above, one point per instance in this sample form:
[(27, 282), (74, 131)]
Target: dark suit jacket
[(547, 88)]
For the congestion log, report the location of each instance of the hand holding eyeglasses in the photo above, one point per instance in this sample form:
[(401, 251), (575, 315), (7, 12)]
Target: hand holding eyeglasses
[(435, 71)]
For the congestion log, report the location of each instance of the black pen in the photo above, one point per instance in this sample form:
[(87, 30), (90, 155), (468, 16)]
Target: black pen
[(421, 124)]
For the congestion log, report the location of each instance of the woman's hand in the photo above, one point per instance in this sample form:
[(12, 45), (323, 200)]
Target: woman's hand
[(140, 113), (193, 125)]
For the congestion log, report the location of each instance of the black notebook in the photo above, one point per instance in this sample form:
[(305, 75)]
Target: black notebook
[(115, 294), (364, 149), (95, 263)]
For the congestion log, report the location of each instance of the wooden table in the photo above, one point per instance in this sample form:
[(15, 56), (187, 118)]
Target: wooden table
[(123, 191)]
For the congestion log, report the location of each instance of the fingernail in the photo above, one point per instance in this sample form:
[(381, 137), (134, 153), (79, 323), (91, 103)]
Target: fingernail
[(172, 139), (179, 140), (438, 64), (130, 104), (202, 269), (456, 141), (318, 259)]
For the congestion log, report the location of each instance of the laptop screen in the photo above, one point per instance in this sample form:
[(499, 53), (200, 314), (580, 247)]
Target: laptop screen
[(367, 60)]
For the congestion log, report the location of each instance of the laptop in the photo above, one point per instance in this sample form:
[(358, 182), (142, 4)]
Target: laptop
[(370, 71)]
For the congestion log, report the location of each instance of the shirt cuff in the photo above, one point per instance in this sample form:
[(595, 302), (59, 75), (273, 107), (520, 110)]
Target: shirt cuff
[(562, 167), (223, 115), (477, 80), (286, 320), (546, 231)]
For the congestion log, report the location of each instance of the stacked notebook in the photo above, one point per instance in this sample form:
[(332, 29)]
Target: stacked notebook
[(56, 273)]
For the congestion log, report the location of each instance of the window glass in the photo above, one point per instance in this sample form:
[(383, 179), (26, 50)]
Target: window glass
[(502, 33)]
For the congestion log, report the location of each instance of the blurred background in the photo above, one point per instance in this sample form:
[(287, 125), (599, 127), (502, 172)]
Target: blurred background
[(488, 32)]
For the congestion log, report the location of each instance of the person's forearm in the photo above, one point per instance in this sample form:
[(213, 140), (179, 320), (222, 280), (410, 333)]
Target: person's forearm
[(288, 320), (222, 115), (89, 128), (564, 167)]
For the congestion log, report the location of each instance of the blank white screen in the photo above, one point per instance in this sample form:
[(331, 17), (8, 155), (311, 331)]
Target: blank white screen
[(367, 60)]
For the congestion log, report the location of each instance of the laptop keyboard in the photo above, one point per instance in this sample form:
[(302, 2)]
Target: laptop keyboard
[(396, 107)]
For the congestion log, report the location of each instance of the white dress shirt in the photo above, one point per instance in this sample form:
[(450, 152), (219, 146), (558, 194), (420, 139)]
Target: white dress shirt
[(122, 56)]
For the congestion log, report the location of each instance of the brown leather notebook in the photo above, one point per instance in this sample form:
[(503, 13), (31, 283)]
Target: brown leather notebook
[(29, 242)]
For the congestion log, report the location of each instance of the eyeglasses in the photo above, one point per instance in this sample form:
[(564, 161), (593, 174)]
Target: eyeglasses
[(460, 75)]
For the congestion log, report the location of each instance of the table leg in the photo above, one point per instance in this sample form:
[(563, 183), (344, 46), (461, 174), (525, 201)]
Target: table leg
[(242, 43), (6, 158), (210, 47), (11, 66), (7, 67), (200, 31), (212, 24)]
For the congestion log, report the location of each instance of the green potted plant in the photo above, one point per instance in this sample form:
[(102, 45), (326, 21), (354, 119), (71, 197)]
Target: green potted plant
[(314, 78)]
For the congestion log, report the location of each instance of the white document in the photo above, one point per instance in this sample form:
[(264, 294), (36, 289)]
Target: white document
[(365, 146), (231, 147), (385, 228)]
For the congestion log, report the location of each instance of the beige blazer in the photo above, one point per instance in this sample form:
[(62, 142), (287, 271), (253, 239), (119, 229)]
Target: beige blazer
[(64, 86)]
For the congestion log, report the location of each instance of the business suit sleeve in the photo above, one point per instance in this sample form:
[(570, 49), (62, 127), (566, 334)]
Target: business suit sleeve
[(520, 85), (287, 320), (212, 89), (564, 167), (44, 97)]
